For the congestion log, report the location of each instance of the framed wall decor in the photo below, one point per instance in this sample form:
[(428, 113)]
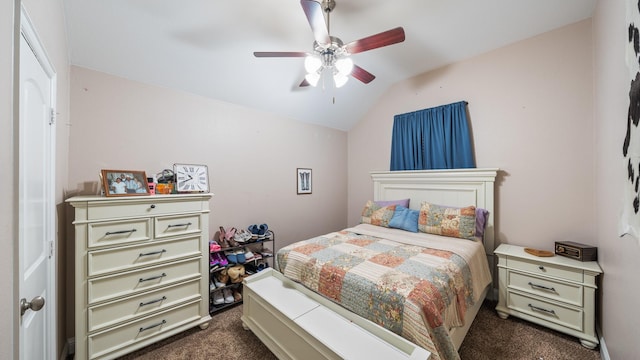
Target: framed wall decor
[(303, 177), (124, 182)]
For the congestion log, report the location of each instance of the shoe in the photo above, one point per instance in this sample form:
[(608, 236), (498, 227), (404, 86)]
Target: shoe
[(214, 246), (237, 296), (217, 297), (253, 229), (231, 257), (262, 229), (243, 236), (221, 277), (228, 296), (213, 261), (240, 256), (248, 255), (266, 252), (212, 286), (268, 235), (222, 238)]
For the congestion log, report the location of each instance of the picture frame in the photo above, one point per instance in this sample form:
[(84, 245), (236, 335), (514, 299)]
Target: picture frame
[(304, 181), (124, 183)]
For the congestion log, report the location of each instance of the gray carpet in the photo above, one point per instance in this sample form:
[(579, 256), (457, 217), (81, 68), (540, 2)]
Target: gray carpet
[(489, 338)]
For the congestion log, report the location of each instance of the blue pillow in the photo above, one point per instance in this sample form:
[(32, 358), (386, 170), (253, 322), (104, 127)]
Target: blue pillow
[(405, 219)]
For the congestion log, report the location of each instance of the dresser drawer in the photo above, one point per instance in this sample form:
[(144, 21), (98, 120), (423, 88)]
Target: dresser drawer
[(554, 270), (545, 287), (136, 208), (106, 342), (554, 313), (176, 225), (140, 305), (149, 253), (128, 283), (111, 233)]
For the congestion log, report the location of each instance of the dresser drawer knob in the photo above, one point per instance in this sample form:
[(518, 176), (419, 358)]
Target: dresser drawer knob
[(153, 301), (152, 326), (152, 253), (153, 206), (542, 287), (152, 278), (120, 232), (536, 308), (541, 267)]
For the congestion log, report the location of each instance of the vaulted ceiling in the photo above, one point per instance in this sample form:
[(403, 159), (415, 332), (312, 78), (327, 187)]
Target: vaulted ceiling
[(206, 47)]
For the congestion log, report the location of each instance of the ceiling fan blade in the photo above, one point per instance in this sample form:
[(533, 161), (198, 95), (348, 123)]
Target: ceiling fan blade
[(279, 54), (315, 16), (362, 74), (384, 38), (304, 83)]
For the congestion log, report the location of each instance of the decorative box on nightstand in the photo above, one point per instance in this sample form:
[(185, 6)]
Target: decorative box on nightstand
[(556, 292)]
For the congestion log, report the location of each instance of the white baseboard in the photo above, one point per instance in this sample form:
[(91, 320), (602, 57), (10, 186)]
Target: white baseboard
[(604, 353)]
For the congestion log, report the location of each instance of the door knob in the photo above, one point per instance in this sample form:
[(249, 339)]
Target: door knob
[(35, 304)]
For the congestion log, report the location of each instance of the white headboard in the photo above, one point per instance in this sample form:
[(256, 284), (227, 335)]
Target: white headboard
[(458, 187)]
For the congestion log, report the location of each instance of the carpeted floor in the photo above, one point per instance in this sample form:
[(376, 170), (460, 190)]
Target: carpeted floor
[(489, 338)]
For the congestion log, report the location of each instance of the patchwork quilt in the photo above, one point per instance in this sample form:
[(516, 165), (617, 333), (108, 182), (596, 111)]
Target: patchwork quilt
[(414, 284)]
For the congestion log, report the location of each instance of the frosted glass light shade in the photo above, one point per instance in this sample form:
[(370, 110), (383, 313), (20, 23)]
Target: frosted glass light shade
[(312, 64), (344, 66), (312, 78), (340, 79)]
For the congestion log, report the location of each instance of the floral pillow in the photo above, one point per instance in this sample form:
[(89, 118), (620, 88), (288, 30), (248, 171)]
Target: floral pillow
[(375, 214), (448, 221)]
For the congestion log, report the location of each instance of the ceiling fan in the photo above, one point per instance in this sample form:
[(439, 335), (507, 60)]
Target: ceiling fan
[(329, 52)]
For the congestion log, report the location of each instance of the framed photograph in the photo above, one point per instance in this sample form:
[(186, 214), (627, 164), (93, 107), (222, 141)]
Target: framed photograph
[(303, 177), (124, 182)]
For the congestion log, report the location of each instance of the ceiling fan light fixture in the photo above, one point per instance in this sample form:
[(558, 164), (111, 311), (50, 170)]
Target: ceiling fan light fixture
[(312, 78), (340, 79), (312, 64), (344, 65)]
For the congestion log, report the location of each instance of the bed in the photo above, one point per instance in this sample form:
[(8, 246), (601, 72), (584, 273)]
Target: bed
[(381, 277)]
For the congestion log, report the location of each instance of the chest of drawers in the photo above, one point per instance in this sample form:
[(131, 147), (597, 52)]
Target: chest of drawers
[(555, 292), (141, 270)]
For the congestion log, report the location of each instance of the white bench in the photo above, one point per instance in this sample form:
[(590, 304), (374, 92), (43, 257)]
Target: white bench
[(295, 323)]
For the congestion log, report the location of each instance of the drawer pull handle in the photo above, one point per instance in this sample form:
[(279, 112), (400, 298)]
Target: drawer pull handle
[(153, 301), (179, 225), (152, 278), (541, 267), (153, 206), (152, 253), (542, 287), (541, 309), (152, 326), (120, 232)]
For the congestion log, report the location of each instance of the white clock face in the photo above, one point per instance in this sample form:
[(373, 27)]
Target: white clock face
[(192, 178)]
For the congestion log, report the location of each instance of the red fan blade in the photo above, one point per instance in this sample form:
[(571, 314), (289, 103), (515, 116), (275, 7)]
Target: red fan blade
[(315, 16), (279, 54), (385, 38), (362, 74)]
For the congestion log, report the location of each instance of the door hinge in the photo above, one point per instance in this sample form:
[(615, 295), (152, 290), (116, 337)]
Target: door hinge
[(52, 117), (50, 249)]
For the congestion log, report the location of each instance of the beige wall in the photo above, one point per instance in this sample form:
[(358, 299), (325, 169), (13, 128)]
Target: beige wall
[(618, 256), (530, 108)]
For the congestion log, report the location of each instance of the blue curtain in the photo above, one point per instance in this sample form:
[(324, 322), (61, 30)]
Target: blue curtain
[(435, 138)]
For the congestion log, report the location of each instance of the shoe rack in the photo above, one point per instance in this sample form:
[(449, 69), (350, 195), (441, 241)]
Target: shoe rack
[(231, 264)]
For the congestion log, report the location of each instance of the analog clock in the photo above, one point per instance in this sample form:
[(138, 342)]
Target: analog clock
[(191, 177)]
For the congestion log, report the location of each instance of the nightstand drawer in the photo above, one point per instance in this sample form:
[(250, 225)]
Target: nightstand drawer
[(176, 225), (104, 343), (545, 287), (554, 313), (123, 284), (545, 269), (149, 253), (111, 233), (140, 305)]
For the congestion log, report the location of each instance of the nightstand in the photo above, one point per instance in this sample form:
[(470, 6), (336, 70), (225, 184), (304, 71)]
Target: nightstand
[(555, 292)]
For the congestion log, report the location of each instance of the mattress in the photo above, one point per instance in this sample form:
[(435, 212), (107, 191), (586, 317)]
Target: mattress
[(416, 285)]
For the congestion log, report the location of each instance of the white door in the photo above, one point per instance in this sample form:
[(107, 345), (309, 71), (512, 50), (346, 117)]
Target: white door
[(36, 202)]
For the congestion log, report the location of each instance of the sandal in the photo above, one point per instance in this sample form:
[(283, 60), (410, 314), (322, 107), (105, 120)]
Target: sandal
[(222, 238)]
